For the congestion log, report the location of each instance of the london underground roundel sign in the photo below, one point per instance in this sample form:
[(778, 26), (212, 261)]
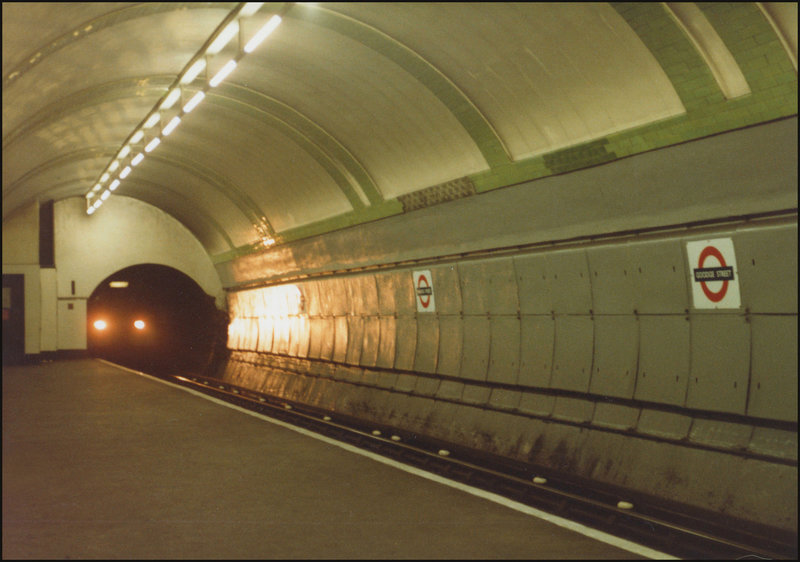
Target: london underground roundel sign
[(714, 276), (423, 288)]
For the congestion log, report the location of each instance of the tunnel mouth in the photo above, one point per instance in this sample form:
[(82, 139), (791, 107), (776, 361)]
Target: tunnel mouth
[(156, 319)]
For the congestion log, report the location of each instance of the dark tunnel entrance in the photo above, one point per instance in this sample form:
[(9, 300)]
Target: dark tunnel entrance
[(156, 319)]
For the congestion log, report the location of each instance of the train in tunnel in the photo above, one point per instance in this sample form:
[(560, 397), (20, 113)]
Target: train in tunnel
[(156, 319)]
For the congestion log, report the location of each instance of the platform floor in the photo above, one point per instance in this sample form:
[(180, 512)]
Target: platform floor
[(100, 462)]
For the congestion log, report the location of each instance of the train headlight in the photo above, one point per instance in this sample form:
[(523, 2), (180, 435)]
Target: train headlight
[(100, 325), (139, 324)]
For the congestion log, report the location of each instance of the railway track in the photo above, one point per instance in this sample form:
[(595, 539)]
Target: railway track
[(668, 528)]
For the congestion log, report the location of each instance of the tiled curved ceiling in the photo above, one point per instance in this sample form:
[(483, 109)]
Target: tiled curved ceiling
[(344, 108)]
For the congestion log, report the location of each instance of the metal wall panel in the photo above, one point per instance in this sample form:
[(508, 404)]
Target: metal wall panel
[(663, 359), (264, 335), (572, 364), (611, 273), (475, 360), (340, 339), (387, 342), (451, 338), (533, 284), (371, 340), (427, 343), (537, 341), (503, 292), (251, 335), (568, 273), (616, 349), (364, 295), (405, 297), (773, 384), (406, 343), (474, 287), (504, 349), (299, 338), (767, 262), (310, 292), (720, 362), (355, 339), (386, 286), (447, 289), (335, 296), (660, 280)]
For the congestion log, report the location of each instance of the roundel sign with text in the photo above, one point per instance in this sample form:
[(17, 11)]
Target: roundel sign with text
[(423, 289), (714, 276)]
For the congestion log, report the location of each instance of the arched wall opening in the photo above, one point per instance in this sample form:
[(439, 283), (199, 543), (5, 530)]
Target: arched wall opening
[(157, 319)]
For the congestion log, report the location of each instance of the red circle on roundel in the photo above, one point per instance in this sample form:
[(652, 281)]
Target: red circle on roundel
[(425, 300), (719, 295)]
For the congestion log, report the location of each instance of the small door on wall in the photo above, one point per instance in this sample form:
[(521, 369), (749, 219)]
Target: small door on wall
[(13, 319)]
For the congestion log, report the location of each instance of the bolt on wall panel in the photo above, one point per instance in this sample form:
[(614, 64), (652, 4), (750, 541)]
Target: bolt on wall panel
[(475, 360), (767, 262), (659, 279), (451, 339), (474, 287), (533, 285), (664, 356), (340, 339), (720, 360), (355, 339), (572, 364), (387, 342), (504, 350), (773, 384), (406, 343), (447, 289), (568, 273), (371, 340), (616, 348), (537, 340), (427, 343), (611, 275)]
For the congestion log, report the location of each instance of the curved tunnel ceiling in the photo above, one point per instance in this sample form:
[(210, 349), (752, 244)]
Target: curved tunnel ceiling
[(348, 110)]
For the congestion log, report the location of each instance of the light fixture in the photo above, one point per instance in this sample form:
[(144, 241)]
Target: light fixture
[(172, 97), (193, 71), (152, 144), (223, 73), (222, 39), (262, 33), (192, 103), (171, 126), (223, 35)]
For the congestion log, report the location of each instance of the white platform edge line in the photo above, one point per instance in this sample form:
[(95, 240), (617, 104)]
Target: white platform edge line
[(554, 519)]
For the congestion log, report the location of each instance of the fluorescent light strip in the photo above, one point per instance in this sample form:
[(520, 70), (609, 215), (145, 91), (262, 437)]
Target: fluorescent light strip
[(172, 97), (124, 152), (137, 136), (222, 39), (193, 71), (136, 159), (114, 185), (124, 173), (171, 126), (223, 73), (114, 165), (104, 178), (197, 98), (153, 143), (250, 8), (91, 210), (152, 120), (105, 195), (262, 34)]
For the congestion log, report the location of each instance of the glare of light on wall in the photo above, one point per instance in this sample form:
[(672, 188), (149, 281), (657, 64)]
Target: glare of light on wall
[(223, 73)]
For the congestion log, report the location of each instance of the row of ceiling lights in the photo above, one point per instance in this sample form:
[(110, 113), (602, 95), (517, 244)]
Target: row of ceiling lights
[(125, 158)]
